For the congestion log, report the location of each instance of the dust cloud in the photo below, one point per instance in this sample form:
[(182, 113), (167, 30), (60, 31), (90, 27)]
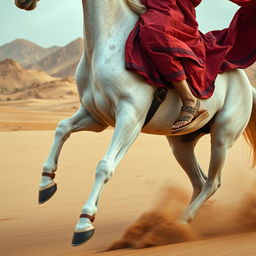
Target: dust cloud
[(160, 225)]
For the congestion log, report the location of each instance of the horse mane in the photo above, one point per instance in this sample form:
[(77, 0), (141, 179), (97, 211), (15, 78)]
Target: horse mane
[(136, 6)]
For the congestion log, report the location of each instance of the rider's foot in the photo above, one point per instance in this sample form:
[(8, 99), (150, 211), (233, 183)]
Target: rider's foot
[(188, 114)]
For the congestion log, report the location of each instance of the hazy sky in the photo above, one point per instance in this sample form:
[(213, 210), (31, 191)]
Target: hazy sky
[(57, 22)]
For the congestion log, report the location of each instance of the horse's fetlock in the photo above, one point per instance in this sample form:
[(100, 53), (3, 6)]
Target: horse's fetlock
[(90, 209), (49, 167)]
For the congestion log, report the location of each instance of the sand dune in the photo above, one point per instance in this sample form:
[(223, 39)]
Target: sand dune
[(56, 89), (14, 78), (17, 83), (35, 114), (140, 184)]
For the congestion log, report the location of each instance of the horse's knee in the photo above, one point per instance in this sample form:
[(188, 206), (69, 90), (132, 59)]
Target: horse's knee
[(49, 167), (104, 170), (63, 129)]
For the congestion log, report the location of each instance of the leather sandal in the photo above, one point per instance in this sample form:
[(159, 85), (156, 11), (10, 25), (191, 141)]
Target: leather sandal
[(197, 117)]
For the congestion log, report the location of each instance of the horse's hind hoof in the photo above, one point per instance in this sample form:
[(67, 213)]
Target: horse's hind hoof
[(47, 193), (82, 237)]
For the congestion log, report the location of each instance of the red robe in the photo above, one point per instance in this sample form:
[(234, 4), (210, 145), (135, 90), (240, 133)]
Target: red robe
[(166, 45)]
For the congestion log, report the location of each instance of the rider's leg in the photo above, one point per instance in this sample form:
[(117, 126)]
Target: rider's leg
[(188, 99), (166, 63)]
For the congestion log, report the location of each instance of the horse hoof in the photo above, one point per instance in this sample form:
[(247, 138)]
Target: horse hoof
[(46, 194), (82, 237)]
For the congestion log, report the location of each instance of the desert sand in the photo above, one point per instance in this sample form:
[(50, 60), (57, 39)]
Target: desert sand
[(148, 177), (35, 114)]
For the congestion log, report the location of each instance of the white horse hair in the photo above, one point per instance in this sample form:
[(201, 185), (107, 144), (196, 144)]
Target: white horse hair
[(112, 96)]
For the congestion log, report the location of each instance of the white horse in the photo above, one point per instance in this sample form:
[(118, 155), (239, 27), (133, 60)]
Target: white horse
[(112, 96)]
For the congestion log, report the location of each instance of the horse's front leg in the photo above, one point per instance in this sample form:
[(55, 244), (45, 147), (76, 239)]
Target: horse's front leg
[(80, 121), (128, 125)]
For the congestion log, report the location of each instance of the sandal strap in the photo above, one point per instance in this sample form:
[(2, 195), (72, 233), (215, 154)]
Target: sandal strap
[(90, 217), (51, 175), (183, 118), (191, 110)]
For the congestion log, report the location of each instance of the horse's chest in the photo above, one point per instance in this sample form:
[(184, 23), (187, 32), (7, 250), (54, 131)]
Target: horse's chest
[(108, 63)]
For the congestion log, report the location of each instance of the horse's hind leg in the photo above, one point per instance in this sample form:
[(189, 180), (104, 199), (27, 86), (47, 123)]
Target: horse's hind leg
[(184, 153), (80, 121), (224, 132), (127, 128)]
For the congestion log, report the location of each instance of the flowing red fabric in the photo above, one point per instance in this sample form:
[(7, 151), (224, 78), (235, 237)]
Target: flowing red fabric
[(166, 45)]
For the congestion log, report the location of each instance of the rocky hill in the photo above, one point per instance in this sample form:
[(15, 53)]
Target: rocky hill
[(25, 52), (62, 62), (17, 83)]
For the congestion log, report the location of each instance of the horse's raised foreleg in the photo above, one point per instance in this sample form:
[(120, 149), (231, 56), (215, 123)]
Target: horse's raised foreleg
[(184, 154), (80, 121), (128, 126)]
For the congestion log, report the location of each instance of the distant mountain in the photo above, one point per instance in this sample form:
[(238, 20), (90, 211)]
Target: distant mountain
[(25, 52), (62, 62), (17, 83)]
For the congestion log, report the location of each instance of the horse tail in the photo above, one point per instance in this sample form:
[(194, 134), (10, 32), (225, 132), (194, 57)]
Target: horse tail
[(136, 6), (250, 131)]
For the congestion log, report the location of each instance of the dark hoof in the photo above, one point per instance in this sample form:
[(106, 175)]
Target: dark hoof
[(46, 194), (81, 237)]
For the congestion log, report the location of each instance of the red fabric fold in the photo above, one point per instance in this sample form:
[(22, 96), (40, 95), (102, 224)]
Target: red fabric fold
[(166, 45), (242, 2)]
